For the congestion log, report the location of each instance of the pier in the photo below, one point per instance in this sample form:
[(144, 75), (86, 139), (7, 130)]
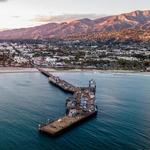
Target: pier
[(79, 107)]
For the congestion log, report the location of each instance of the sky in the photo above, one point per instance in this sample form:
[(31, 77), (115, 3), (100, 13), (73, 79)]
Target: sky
[(26, 13)]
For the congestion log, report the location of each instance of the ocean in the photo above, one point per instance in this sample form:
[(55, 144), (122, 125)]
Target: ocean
[(122, 122)]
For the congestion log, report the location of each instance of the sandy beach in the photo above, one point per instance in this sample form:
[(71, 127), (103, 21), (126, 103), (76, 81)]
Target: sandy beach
[(16, 70), (96, 71), (31, 70)]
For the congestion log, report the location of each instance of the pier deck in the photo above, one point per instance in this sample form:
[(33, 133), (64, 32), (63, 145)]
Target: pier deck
[(60, 125), (79, 107)]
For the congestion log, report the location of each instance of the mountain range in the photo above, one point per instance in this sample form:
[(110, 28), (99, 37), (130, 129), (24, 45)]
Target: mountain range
[(137, 20)]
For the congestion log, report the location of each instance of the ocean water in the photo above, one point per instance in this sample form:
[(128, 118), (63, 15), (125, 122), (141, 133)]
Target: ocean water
[(123, 120)]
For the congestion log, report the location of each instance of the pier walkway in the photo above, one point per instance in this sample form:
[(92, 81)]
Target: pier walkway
[(79, 107)]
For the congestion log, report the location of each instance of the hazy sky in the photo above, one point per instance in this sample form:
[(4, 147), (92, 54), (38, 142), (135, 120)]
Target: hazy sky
[(24, 13)]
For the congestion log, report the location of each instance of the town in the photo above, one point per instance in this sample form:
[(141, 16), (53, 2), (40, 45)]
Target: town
[(76, 54)]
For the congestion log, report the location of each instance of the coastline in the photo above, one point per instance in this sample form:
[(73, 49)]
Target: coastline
[(32, 70), (17, 70)]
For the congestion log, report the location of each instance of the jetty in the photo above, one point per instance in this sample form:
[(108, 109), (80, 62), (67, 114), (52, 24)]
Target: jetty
[(79, 107)]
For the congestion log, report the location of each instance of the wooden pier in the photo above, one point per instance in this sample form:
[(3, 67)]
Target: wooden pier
[(62, 124), (80, 107)]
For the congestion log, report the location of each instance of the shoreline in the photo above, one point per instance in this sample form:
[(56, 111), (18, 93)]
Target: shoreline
[(17, 70), (32, 70)]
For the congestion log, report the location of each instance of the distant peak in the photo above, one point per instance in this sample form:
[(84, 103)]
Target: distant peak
[(139, 13), (85, 19)]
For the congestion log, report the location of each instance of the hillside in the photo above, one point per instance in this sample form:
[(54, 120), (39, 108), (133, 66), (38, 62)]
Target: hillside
[(135, 20)]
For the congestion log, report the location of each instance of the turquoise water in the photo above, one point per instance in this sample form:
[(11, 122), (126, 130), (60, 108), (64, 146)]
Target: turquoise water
[(123, 120)]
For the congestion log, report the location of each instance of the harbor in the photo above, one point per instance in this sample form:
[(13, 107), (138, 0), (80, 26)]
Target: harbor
[(79, 107)]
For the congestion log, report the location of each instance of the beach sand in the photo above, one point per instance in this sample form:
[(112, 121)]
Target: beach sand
[(16, 70), (31, 70)]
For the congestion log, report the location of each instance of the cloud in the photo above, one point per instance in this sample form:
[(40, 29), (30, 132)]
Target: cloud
[(15, 16), (64, 18), (3, 0)]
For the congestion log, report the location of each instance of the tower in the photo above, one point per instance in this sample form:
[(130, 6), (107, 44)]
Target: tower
[(92, 85)]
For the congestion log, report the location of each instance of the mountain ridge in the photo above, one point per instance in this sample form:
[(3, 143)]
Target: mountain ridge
[(134, 20)]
